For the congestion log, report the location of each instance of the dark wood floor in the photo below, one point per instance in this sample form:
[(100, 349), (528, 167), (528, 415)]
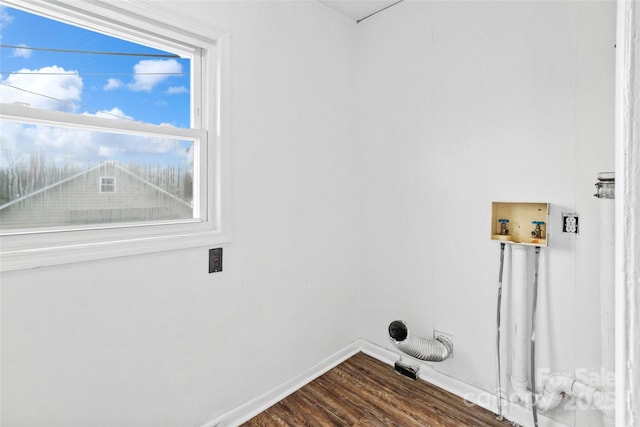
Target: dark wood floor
[(363, 391)]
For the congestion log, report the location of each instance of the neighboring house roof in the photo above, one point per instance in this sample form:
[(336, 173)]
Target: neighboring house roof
[(112, 163)]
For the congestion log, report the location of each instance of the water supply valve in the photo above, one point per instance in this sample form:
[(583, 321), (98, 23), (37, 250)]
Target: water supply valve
[(503, 227), (537, 232)]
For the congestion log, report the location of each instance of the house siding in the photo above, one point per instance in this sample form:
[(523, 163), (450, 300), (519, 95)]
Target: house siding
[(79, 201)]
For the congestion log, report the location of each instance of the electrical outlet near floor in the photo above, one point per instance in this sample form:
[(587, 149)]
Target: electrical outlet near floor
[(437, 333), (570, 223)]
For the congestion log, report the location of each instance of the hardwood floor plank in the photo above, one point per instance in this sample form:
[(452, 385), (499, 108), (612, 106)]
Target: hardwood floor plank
[(423, 393), (335, 402), (351, 398), (364, 392), (381, 399), (397, 396)]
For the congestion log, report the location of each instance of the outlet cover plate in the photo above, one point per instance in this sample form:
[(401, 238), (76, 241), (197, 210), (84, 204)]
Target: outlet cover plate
[(570, 223), (215, 260)]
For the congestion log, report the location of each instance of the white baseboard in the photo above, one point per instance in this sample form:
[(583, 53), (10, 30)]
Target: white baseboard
[(252, 408), (472, 394), (476, 396)]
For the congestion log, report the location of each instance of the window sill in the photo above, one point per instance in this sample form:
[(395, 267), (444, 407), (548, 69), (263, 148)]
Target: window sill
[(35, 257)]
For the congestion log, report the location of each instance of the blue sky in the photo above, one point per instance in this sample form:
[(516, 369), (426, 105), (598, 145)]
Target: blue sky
[(141, 88), (162, 101)]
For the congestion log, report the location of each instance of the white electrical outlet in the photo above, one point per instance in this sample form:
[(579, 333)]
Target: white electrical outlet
[(570, 223)]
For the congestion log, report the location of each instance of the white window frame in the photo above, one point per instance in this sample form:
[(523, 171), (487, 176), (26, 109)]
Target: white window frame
[(149, 24), (111, 186)]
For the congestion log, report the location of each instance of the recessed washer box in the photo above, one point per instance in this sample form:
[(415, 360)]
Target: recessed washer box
[(521, 219)]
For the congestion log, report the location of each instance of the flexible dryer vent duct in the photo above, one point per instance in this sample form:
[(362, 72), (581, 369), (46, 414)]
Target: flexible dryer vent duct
[(431, 350)]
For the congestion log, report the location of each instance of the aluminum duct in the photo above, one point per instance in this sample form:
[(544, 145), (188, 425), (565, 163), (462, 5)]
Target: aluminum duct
[(431, 350)]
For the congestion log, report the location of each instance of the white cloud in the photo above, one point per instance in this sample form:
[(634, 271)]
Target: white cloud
[(150, 72), (112, 84), (20, 52), (48, 88), (80, 148), (174, 90), (5, 19), (114, 113), (75, 147)]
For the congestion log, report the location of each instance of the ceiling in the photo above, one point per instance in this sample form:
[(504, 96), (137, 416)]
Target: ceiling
[(358, 9)]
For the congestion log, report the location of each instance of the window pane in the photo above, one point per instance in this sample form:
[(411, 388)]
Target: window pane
[(86, 72), (107, 184), (53, 176)]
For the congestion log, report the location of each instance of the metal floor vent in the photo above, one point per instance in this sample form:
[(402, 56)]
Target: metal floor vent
[(406, 370)]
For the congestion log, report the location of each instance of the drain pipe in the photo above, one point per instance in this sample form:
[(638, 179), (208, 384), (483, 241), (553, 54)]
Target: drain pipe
[(519, 375), (606, 193), (431, 350), (559, 386)]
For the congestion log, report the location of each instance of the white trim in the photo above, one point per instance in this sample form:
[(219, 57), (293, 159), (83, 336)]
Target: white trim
[(163, 28), (57, 255), (220, 113), (252, 408), (22, 113), (473, 394), (627, 220)]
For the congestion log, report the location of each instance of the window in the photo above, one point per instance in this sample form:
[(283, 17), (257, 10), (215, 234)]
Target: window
[(107, 184), (137, 106)]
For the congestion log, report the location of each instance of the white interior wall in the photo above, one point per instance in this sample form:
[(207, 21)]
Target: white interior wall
[(155, 340), (465, 103)]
